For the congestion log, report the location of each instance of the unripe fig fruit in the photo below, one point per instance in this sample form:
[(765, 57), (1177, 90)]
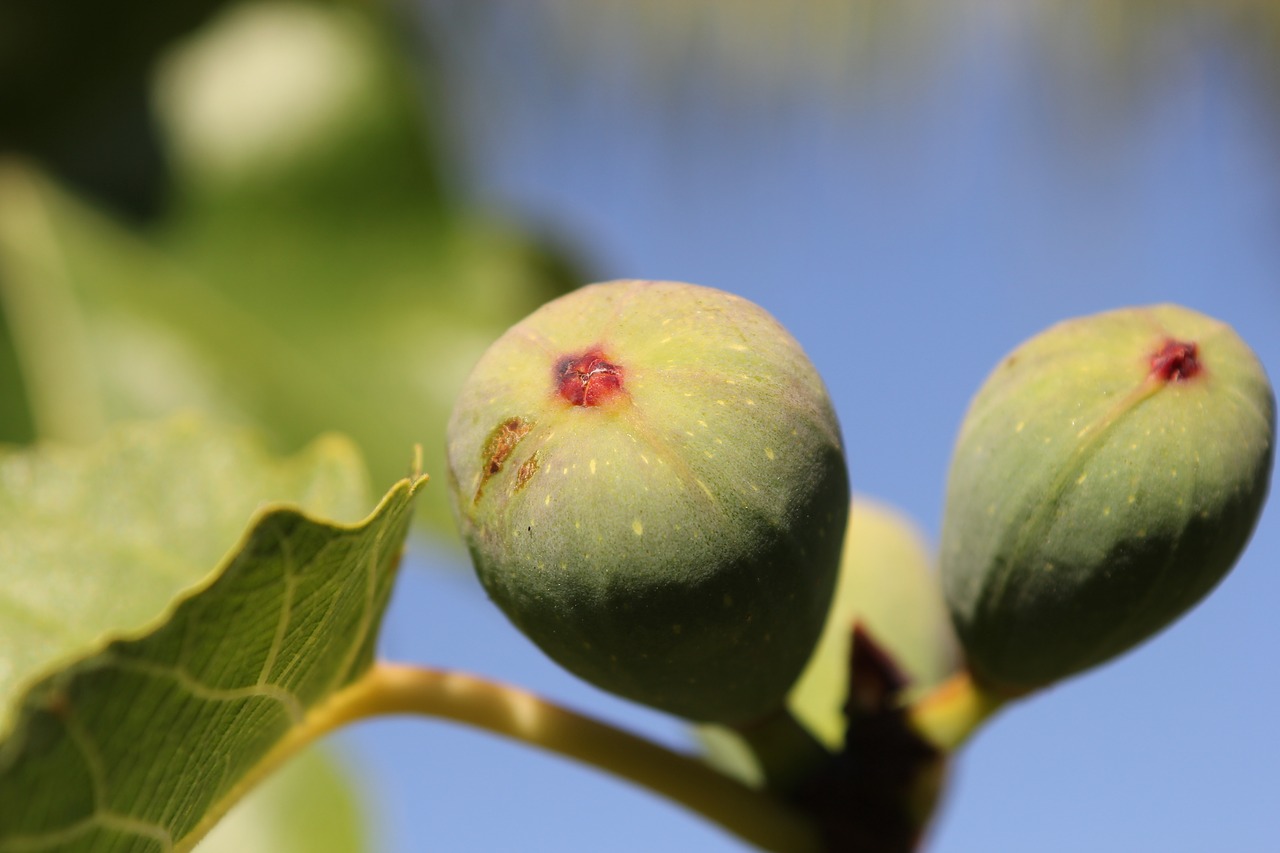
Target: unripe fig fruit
[(1106, 477), (650, 479)]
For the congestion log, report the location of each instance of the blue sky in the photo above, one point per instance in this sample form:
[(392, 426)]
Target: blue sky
[(909, 231)]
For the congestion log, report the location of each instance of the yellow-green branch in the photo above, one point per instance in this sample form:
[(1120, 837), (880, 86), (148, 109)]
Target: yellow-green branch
[(390, 688)]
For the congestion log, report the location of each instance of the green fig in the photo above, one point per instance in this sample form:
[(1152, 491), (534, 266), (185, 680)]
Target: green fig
[(650, 479), (1106, 477)]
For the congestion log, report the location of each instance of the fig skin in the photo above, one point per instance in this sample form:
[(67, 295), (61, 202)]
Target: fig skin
[(1107, 475), (650, 479)]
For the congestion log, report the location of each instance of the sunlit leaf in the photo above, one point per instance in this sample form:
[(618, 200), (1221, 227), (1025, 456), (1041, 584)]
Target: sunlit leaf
[(148, 662)]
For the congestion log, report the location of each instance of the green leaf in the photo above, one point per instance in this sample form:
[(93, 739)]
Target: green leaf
[(307, 806), (888, 584), (148, 663)]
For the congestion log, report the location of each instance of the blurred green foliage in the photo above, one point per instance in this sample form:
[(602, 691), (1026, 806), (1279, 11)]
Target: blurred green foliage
[(315, 268), (74, 83)]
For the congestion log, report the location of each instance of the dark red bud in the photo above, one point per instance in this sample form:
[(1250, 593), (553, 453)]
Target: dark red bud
[(587, 379), (1175, 361)]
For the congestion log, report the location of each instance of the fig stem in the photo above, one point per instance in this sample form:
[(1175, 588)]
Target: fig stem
[(392, 688), (788, 753), (952, 711)]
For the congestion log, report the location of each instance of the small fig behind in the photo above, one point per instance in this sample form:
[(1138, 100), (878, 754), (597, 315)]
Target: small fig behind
[(650, 479), (889, 588), (1106, 477)]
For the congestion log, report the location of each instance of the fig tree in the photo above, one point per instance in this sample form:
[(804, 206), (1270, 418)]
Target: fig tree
[(650, 479), (1106, 477)]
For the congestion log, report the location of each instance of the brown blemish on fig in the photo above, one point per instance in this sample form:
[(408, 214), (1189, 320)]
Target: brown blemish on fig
[(1175, 361), (499, 446), (526, 472), (588, 378)]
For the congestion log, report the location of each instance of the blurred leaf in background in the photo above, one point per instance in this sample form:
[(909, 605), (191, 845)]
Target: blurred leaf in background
[(316, 268), (74, 83)]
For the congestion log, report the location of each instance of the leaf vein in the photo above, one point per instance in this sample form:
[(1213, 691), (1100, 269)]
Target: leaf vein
[(207, 692), (342, 673), (92, 756), (63, 836), (286, 610)]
